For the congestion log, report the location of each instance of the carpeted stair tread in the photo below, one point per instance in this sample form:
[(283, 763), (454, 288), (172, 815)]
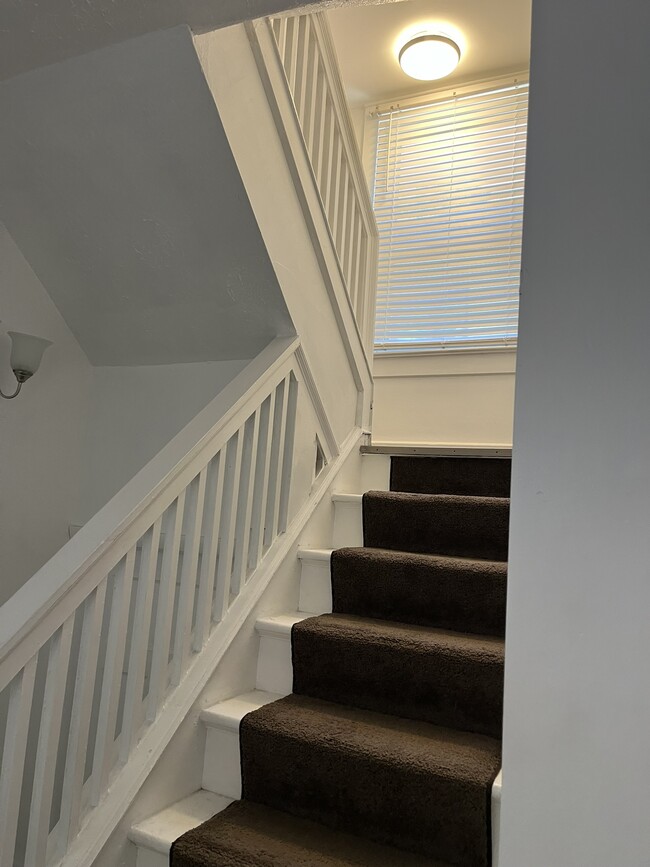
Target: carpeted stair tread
[(479, 477), (458, 526), (428, 589), (446, 678), (246, 834), (398, 782)]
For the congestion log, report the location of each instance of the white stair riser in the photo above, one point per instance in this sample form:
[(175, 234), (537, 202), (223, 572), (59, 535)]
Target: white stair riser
[(221, 764), (496, 818), (274, 668), (375, 472), (315, 587), (149, 858), (348, 527)]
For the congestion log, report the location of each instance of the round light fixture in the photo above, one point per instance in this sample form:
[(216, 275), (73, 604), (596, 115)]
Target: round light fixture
[(428, 57)]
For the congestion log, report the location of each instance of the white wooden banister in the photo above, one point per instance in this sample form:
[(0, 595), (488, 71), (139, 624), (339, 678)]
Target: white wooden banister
[(102, 636), (33, 604), (311, 75)]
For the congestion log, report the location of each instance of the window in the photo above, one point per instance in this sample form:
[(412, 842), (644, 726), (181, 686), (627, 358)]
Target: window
[(448, 196)]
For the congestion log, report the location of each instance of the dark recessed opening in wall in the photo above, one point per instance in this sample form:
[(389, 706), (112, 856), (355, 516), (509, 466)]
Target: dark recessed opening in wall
[(320, 459)]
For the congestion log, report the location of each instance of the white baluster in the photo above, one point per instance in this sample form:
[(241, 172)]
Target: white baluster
[(73, 777), (281, 36), (212, 522), (350, 230), (327, 151), (140, 639), (320, 132), (313, 107), (183, 636), (48, 743), (291, 53), (287, 462), (335, 180), (357, 288), (165, 611), (277, 460), (260, 498), (245, 508), (112, 676), (302, 60), (21, 693), (228, 525), (342, 210)]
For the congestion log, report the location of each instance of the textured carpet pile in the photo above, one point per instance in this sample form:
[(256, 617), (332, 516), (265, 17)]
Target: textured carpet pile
[(386, 751)]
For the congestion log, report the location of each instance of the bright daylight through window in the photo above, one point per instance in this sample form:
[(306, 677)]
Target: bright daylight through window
[(448, 197)]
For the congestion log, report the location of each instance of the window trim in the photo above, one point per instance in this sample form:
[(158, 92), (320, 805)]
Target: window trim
[(464, 87)]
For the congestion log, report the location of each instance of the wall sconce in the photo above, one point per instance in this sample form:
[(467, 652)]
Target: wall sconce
[(26, 354)]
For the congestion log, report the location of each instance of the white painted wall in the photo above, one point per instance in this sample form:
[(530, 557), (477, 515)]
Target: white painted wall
[(458, 399), (41, 430), (576, 788), (134, 412)]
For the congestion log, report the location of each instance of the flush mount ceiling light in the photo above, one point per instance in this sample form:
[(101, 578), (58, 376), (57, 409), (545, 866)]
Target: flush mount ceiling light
[(429, 56)]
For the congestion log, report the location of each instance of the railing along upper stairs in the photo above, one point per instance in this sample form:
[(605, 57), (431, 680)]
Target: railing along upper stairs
[(104, 650)]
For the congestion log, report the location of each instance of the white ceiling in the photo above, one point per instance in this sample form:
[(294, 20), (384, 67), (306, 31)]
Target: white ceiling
[(494, 36), (119, 187)]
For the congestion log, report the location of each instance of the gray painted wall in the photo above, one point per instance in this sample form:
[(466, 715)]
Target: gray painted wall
[(134, 412), (33, 33), (576, 779), (119, 186), (41, 431), (76, 433)]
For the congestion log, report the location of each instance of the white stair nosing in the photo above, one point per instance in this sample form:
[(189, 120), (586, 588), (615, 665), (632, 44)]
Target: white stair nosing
[(228, 714), (347, 498), (159, 831), (279, 624), (324, 554)]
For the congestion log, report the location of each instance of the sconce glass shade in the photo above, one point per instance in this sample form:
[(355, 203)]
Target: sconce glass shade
[(428, 57), (26, 353)]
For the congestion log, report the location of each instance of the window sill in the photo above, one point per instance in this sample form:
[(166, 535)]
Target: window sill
[(457, 362)]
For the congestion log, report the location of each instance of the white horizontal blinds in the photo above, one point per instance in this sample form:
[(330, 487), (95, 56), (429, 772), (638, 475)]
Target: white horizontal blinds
[(448, 197)]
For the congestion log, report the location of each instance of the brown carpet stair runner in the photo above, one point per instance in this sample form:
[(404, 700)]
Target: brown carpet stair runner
[(386, 751), (473, 477)]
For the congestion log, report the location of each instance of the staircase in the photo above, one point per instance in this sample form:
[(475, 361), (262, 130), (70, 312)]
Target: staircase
[(373, 736), (105, 651)]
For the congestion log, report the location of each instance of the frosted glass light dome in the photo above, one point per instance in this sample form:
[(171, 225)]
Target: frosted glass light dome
[(429, 57), (26, 352)]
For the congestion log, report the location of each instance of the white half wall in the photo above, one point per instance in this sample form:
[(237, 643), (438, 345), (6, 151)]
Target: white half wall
[(41, 431), (576, 769), (456, 399), (134, 412)]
